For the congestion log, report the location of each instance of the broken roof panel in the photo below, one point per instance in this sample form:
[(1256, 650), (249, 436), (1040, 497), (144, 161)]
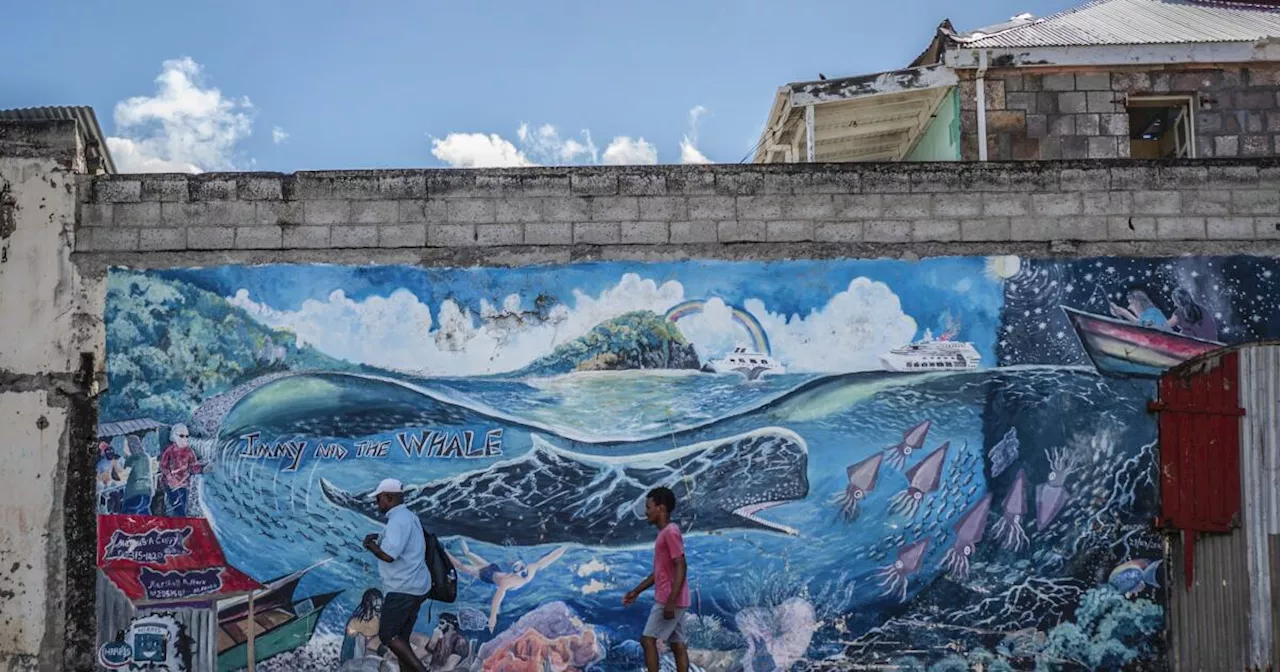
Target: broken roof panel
[(1128, 22), (863, 118)]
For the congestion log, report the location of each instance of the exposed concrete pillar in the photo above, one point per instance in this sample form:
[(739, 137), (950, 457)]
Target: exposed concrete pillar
[(51, 353)]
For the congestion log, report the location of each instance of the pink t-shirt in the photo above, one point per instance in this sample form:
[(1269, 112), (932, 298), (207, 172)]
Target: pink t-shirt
[(670, 545)]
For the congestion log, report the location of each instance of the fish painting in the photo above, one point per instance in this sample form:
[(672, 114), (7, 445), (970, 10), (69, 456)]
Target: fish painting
[(893, 579), (968, 534), (1008, 530), (1133, 576), (862, 479), (922, 480), (1004, 453), (912, 440)]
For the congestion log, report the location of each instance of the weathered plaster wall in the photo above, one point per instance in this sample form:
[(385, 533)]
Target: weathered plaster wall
[(51, 347), (1079, 114)]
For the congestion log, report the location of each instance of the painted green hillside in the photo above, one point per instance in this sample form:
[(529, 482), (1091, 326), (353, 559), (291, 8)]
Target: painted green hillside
[(172, 345), (635, 340)]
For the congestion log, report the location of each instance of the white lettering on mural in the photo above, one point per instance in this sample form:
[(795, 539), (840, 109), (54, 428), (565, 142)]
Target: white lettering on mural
[(414, 443)]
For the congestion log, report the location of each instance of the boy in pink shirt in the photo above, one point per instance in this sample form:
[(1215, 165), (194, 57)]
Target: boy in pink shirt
[(666, 619)]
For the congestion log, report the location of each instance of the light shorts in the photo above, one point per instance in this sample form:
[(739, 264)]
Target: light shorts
[(669, 631)]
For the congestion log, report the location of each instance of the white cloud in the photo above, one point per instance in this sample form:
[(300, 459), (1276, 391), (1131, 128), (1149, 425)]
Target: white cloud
[(689, 152), (545, 145), (184, 127), (849, 333), (278, 135), (398, 331), (477, 150), (624, 151)]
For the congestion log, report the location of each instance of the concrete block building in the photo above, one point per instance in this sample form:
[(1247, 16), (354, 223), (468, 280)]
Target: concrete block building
[(1146, 79)]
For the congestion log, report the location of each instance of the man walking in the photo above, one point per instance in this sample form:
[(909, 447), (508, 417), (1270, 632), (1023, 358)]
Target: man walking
[(666, 619), (406, 580)]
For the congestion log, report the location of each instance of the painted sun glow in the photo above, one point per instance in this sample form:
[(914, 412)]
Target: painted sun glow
[(1003, 267)]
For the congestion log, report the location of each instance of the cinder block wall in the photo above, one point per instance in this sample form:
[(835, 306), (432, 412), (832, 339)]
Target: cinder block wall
[(515, 216), (1082, 115)]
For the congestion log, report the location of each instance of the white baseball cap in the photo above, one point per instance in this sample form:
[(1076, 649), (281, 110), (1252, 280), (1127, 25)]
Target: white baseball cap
[(387, 485)]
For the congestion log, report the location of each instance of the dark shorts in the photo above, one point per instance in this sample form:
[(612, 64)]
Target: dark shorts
[(399, 614)]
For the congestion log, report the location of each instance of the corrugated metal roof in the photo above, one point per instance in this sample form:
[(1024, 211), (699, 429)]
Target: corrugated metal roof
[(108, 430), (96, 144), (1127, 22)]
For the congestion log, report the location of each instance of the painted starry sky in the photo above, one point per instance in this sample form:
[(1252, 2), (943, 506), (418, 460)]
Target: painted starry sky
[(1242, 293)]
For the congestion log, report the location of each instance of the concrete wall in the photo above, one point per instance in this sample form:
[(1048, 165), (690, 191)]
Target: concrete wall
[(50, 352), (1079, 114), (517, 216), (844, 257)]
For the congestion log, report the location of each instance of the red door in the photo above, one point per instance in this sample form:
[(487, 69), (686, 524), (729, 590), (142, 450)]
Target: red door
[(1200, 449)]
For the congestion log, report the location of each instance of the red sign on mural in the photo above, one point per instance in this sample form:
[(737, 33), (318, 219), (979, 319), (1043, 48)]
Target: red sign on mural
[(153, 559)]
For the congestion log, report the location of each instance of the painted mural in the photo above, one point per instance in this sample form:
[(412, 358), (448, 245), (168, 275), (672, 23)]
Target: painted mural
[(921, 465)]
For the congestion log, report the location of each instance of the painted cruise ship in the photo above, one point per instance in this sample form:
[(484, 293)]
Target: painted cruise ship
[(750, 364), (930, 354)]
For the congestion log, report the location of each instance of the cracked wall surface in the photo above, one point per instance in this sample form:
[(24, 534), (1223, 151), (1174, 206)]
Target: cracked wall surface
[(51, 350)]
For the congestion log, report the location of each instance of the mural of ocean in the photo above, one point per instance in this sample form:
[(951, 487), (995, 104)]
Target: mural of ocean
[(907, 536)]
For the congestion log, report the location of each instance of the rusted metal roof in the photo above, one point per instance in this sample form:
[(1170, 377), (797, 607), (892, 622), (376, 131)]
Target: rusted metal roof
[(1129, 22), (109, 430), (95, 142)]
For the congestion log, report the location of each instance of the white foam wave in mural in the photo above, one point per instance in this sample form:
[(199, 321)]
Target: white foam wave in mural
[(400, 332)]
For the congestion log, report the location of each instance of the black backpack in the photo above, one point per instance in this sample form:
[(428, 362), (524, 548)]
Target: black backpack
[(444, 578)]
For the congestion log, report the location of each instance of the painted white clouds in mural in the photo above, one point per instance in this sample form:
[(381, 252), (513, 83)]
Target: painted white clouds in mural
[(849, 333), (398, 331)]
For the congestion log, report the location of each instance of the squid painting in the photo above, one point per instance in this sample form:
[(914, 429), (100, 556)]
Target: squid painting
[(1009, 528), (912, 440), (893, 579), (922, 480), (968, 534), (862, 479), (1053, 496)]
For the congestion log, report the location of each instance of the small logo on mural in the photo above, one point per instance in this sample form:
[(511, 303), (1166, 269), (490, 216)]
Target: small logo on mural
[(176, 585), (152, 547), (115, 655), (150, 643)]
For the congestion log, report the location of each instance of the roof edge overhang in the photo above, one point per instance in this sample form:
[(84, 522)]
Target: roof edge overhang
[(1186, 53), (798, 95), (1210, 358)]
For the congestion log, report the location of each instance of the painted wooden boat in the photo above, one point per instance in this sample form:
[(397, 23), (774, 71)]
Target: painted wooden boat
[(1123, 349), (281, 623)]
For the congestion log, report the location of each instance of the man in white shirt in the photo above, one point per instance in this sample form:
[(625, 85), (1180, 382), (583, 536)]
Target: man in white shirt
[(403, 568)]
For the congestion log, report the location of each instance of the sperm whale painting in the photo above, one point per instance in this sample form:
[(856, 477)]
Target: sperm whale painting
[(736, 479)]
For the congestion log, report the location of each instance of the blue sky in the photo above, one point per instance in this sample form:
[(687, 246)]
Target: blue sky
[(835, 315), (369, 85)]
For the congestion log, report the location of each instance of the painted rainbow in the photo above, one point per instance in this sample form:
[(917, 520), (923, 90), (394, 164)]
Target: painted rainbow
[(759, 339)]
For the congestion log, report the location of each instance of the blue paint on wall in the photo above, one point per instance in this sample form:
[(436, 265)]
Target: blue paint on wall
[(845, 503)]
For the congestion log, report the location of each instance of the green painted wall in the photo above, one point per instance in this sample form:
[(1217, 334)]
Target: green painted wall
[(941, 140)]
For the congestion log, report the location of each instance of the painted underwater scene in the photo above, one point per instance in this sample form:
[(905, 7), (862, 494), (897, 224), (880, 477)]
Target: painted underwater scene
[(924, 465)]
